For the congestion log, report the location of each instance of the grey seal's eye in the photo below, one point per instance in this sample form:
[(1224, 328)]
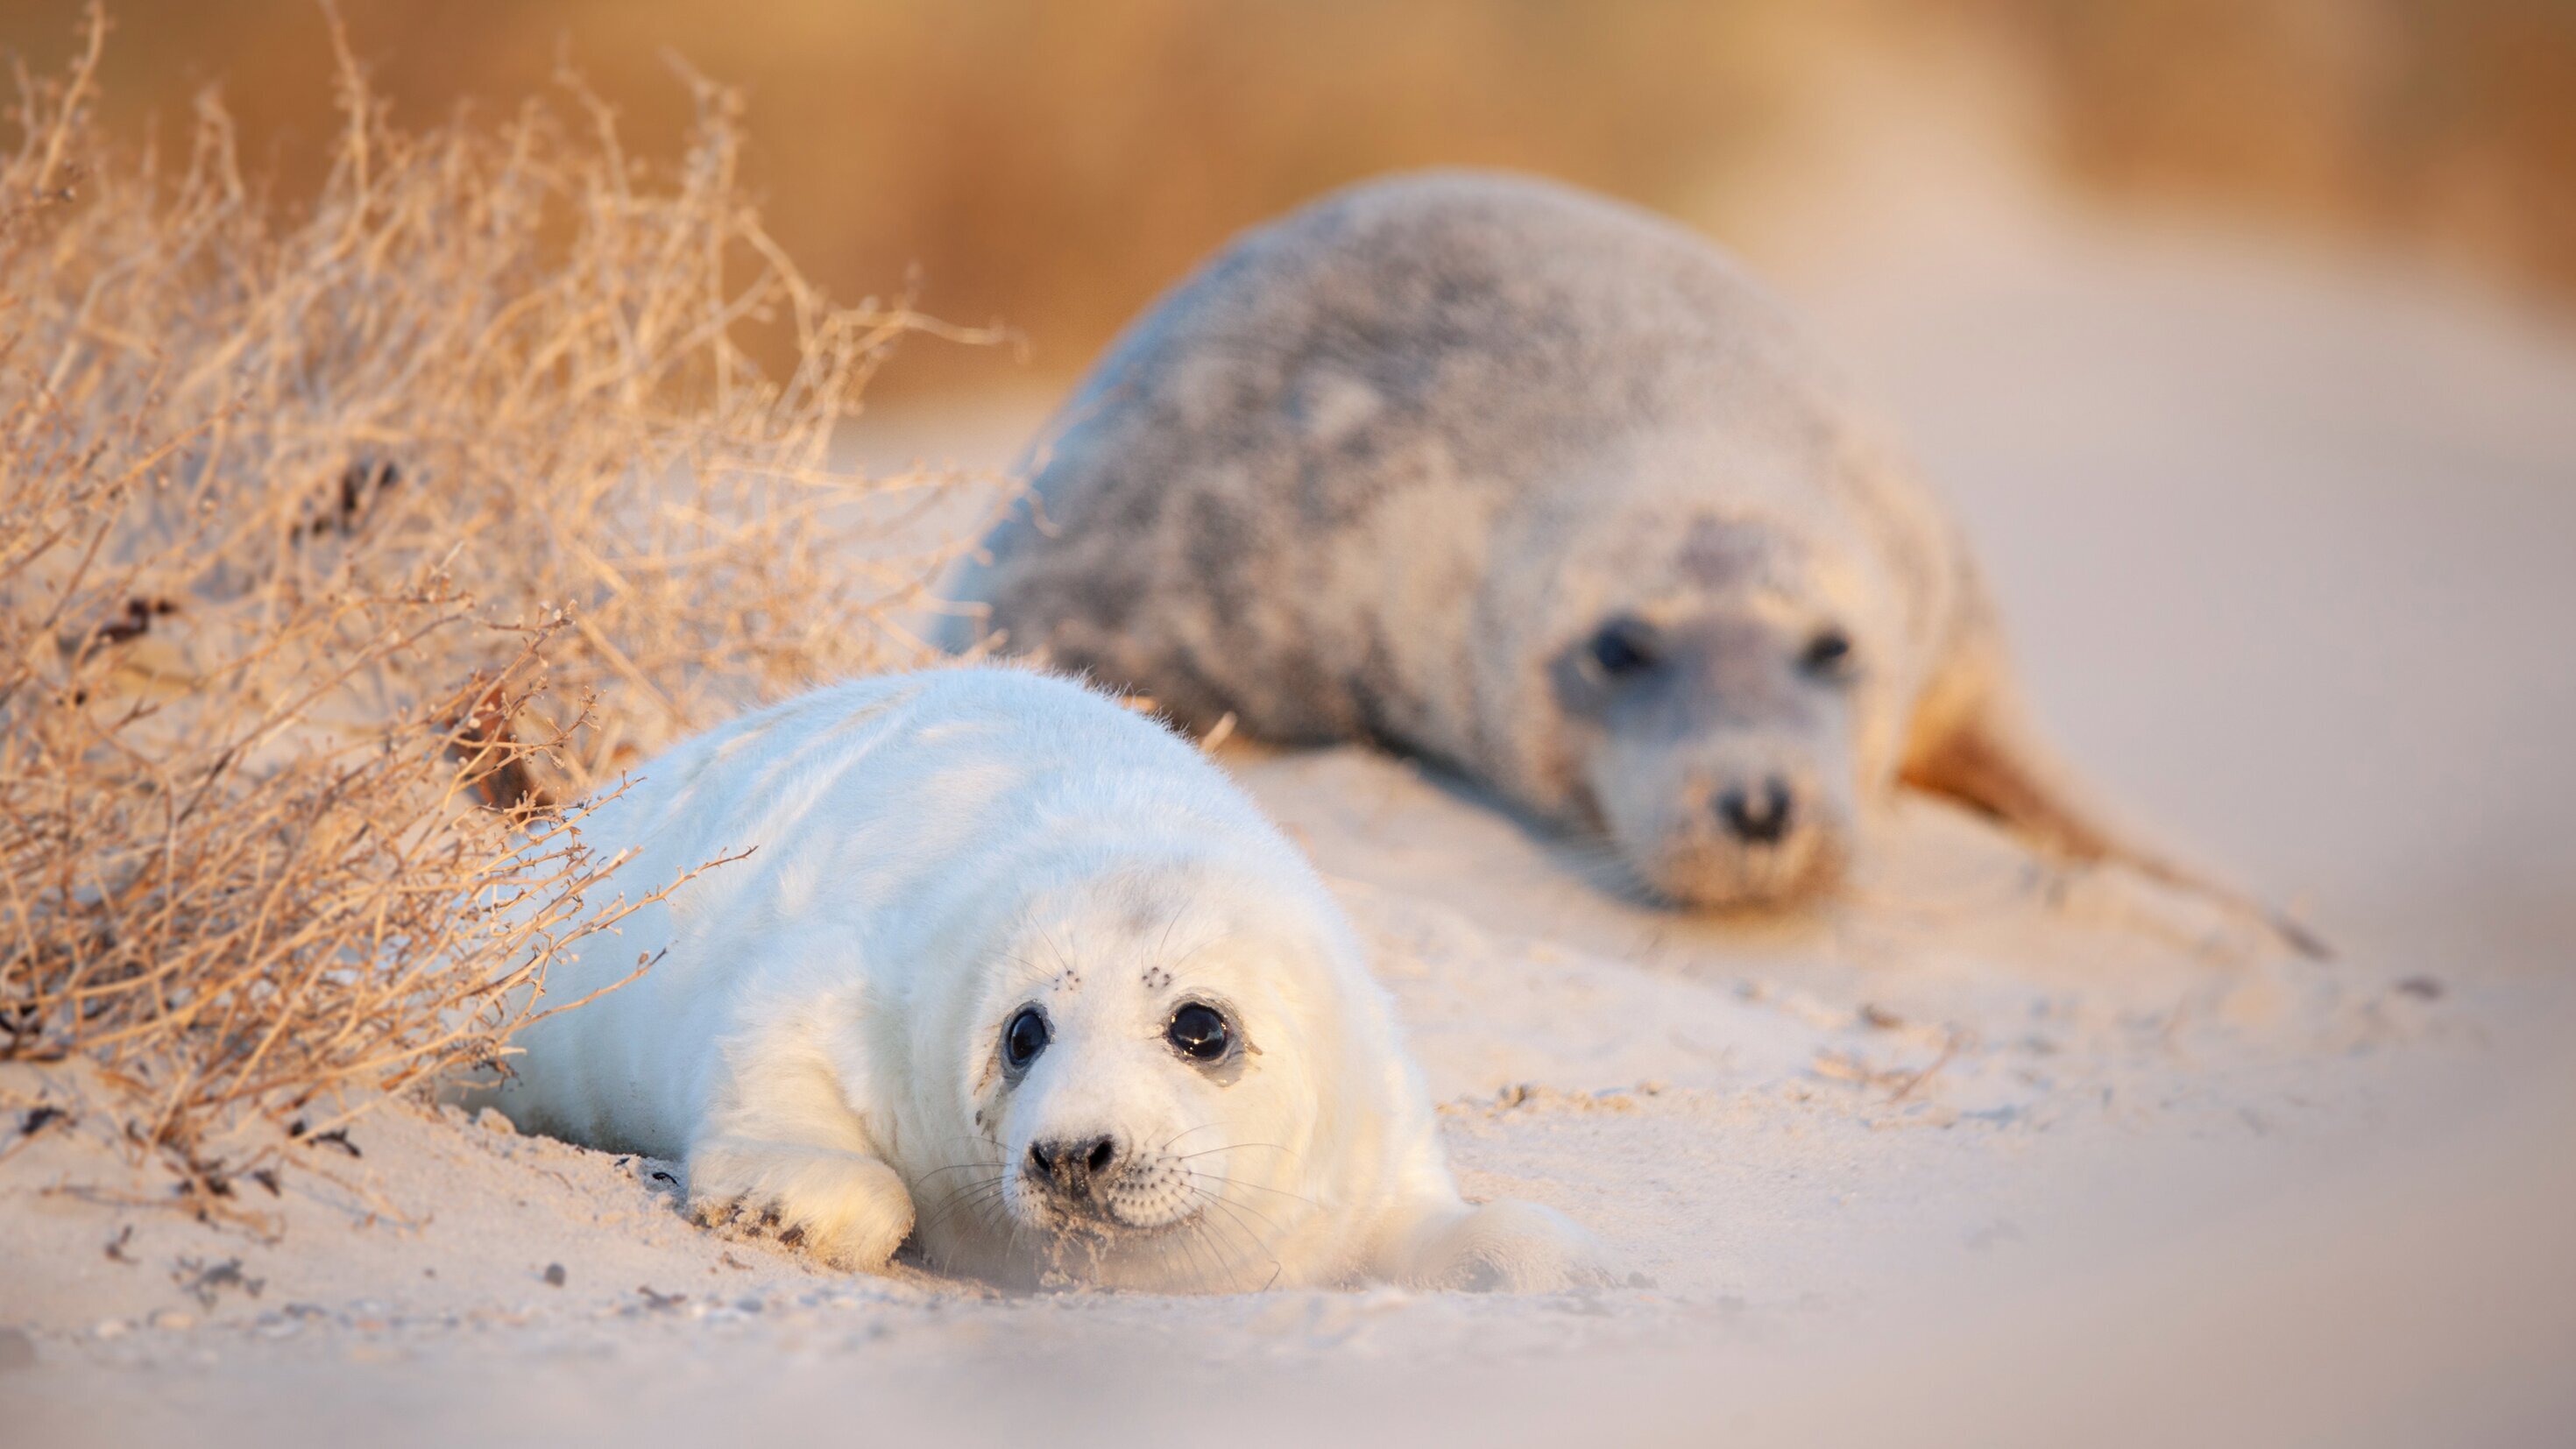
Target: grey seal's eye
[(1827, 654), (1198, 1031), (1025, 1037), (1626, 646)]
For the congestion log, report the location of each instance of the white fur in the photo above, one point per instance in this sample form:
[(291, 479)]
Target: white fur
[(820, 1038)]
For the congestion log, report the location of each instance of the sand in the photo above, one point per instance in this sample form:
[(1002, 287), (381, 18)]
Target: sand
[(1985, 1153)]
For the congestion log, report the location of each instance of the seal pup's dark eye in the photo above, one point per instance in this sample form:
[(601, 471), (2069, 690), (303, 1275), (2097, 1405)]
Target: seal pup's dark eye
[(1625, 646), (1198, 1031), (1827, 654), (1025, 1037)]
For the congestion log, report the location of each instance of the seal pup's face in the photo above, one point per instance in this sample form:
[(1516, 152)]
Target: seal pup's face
[(1722, 723), (1142, 1087)]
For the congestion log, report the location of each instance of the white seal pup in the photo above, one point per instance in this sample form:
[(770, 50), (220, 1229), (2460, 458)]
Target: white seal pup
[(1018, 973), (1543, 488)]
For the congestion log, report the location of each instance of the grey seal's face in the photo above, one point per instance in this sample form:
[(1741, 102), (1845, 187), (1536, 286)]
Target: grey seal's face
[(1140, 1084), (1721, 754)]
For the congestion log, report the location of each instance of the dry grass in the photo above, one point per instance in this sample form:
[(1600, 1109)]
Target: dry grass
[(322, 532)]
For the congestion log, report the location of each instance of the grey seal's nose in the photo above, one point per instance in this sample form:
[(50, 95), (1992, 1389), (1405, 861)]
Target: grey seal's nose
[(1072, 1166), (1758, 820)]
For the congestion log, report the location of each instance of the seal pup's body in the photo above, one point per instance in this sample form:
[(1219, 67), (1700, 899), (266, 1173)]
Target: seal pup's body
[(1017, 971), (1545, 489)]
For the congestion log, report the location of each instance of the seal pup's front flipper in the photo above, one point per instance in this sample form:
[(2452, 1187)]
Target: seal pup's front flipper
[(781, 1139), (1972, 742)]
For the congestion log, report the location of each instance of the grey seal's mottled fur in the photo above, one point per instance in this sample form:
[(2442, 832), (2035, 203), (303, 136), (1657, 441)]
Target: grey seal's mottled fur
[(1545, 488)]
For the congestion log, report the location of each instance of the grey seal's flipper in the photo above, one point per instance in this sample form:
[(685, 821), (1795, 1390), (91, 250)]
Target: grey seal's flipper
[(1973, 742)]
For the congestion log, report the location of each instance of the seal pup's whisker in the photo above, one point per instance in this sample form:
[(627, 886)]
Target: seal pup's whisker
[(1236, 1210), (970, 1200), (1220, 1276), (959, 1196), (1299, 1198), (1170, 1141), (1251, 1239), (1188, 1241), (1199, 1226), (955, 1167), (1266, 1187), (1229, 1147), (975, 1202)]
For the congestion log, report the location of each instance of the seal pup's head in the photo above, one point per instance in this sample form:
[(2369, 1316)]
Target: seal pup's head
[(1718, 684), (1148, 1072)]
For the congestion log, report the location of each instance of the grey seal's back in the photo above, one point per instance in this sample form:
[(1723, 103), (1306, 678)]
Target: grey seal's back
[(1409, 377)]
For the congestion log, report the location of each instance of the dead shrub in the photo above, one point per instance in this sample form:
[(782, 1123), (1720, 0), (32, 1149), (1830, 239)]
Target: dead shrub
[(325, 528)]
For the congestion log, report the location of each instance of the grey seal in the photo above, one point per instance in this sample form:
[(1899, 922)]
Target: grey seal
[(1548, 490)]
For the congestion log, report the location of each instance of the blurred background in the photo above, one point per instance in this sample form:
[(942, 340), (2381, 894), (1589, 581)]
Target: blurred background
[(2237, 330), (2240, 333), (1054, 165)]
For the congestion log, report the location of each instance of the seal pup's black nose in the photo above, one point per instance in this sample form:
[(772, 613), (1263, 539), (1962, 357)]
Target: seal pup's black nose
[(1072, 1166), (1757, 819)]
